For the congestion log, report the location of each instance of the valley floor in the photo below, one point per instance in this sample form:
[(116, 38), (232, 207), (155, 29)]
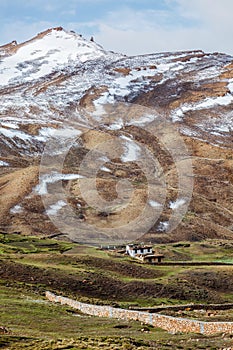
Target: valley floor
[(29, 266)]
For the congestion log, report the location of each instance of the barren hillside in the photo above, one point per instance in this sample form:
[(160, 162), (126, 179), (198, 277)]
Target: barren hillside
[(78, 121)]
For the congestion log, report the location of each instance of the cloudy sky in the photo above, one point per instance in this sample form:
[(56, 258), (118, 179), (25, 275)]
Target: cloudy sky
[(127, 26)]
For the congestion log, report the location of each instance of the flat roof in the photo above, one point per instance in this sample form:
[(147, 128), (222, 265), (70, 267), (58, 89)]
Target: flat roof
[(141, 247)]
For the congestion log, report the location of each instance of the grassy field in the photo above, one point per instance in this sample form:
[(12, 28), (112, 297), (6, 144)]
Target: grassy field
[(29, 266), (34, 323)]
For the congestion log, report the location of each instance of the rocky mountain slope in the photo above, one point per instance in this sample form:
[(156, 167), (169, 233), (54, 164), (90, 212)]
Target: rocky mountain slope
[(64, 96)]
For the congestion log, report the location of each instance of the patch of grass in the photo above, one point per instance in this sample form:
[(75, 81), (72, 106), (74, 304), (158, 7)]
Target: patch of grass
[(13, 243), (37, 324), (206, 251), (26, 313)]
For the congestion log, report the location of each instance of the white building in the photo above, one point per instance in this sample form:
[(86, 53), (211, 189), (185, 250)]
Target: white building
[(134, 250), (144, 253)]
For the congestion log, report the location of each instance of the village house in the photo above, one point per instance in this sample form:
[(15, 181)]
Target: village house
[(134, 250), (151, 258), (144, 253)]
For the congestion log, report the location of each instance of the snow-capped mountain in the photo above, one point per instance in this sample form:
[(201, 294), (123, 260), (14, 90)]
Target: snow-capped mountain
[(47, 53), (48, 86)]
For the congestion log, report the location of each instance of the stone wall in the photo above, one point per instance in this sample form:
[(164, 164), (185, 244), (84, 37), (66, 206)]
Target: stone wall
[(159, 308), (169, 323)]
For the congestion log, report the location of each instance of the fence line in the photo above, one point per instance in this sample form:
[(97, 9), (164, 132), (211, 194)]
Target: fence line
[(169, 323)]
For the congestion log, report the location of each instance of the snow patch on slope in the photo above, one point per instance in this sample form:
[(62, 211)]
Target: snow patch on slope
[(177, 204), (132, 150), (163, 226), (154, 204), (10, 125), (104, 168), (16, 209), (45, 55), (210, 102), (54, 208), (42, 189), (2, 163), (14, 134)]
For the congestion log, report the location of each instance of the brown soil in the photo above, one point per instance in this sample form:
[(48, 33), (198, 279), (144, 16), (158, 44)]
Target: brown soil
[(126, 269), (210, 214), (124, 71), (14, 187), (215, 280), (99, 286)]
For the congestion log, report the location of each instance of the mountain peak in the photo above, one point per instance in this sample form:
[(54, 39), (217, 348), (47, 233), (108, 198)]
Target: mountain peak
[(48, 52), (57, 32)]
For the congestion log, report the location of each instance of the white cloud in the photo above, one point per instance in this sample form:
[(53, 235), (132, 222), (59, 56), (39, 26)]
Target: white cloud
[(148, 40), (182, 25), (208, 10), (199, 24)]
